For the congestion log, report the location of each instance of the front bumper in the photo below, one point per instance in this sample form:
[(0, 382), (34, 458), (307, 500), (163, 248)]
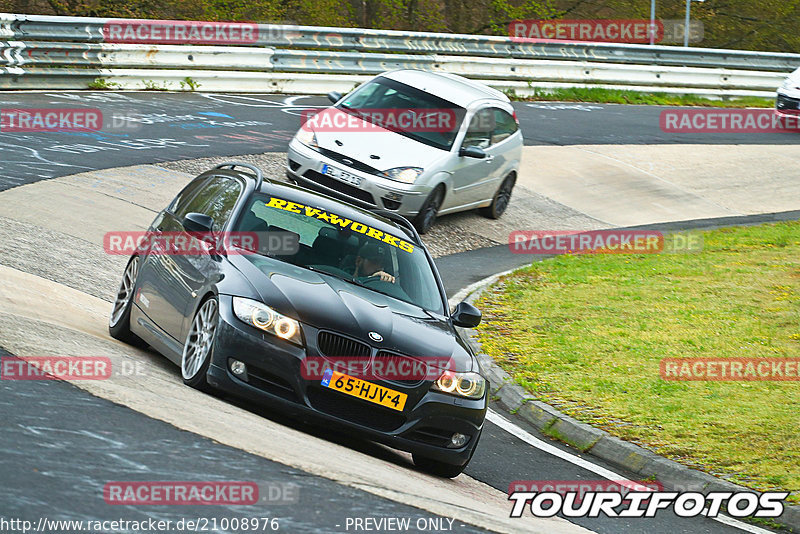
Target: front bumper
[(305, 165), (274, 378)]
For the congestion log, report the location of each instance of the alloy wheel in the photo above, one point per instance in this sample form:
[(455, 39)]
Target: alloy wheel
[(200, 339), (125, 292)]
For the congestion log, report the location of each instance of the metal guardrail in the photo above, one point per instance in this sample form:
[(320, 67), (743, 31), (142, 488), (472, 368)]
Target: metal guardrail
[(35, 44), (86, 29), (44, 54)]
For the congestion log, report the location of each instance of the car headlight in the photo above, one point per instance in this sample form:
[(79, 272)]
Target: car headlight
[(791, 82), (265, 318), (307, 137), (407, 175), (469, 385)]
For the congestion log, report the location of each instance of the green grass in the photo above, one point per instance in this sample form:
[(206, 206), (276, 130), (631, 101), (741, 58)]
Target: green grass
[(102, 84), (150, 85), (618, 96), (586, 333)]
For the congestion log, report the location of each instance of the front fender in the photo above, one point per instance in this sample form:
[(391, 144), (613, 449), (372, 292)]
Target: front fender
[(446, 179)]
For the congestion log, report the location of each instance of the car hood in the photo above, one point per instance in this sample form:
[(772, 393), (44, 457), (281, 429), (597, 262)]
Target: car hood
[(791, 84), (329, 303), (376, 146)]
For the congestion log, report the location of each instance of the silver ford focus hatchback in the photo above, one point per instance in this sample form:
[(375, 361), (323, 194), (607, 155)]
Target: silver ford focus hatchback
[(417, 143)]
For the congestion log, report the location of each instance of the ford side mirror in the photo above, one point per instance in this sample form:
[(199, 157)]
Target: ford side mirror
[(466, 315), (472, 152), (334, 96)]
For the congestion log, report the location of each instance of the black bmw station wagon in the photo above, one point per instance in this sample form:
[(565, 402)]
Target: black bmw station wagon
[(284, 319)]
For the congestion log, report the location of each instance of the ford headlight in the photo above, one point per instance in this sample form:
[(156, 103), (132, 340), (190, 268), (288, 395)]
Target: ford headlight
[(307, 137), (407, 175), (791, 82), (265, 318), (469, 385)]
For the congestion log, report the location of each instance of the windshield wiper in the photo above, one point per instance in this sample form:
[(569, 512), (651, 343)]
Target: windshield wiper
[(356, 282), (352, 280), (310, 268), (368, 117), (351, 109)]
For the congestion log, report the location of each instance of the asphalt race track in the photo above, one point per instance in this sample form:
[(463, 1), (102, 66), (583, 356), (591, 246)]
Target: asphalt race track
[(60, 444), (47, 476), (144, 127)]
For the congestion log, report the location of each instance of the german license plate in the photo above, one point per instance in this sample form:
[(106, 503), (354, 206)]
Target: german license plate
[(362, 389), (341, 175)]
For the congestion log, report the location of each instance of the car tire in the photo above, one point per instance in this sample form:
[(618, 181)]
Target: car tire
[(427, 214), (436, 468), (199, 344), (119, 324), (441, 469), (501, 199)]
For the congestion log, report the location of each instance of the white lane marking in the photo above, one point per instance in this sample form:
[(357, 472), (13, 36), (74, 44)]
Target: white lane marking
[(242, 100), (731, 522), (558, 105), (287, 105), (290, 102), (530, 439), (43, 161), (467, 291)]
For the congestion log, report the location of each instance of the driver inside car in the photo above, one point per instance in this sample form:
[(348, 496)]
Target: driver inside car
[(370, 263)]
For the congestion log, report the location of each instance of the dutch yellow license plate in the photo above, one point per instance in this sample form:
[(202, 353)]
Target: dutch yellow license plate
[(362, 389)]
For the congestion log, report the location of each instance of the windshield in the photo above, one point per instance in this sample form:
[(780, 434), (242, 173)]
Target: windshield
[(374, 100), (344, 248)]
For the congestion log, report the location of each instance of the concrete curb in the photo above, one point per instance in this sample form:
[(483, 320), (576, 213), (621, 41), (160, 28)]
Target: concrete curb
[(550, 421)]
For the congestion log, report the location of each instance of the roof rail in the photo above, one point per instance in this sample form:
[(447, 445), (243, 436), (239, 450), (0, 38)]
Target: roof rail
[(233, 164), (396, 217)]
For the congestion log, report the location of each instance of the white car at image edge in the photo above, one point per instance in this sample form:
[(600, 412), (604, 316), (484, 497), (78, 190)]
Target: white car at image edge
[(788, 98), (472, 163)]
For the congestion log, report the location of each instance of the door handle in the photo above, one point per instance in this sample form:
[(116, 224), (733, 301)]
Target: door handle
[(488, 159)]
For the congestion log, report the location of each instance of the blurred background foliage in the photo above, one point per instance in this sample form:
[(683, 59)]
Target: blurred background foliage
[(770, 25)]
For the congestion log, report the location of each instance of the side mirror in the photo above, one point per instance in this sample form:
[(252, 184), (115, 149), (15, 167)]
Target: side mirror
[(197, 223), (466, 315), (334, 96), (472, 152)]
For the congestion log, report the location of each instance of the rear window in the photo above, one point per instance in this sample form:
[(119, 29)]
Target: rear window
[(505, 127)]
